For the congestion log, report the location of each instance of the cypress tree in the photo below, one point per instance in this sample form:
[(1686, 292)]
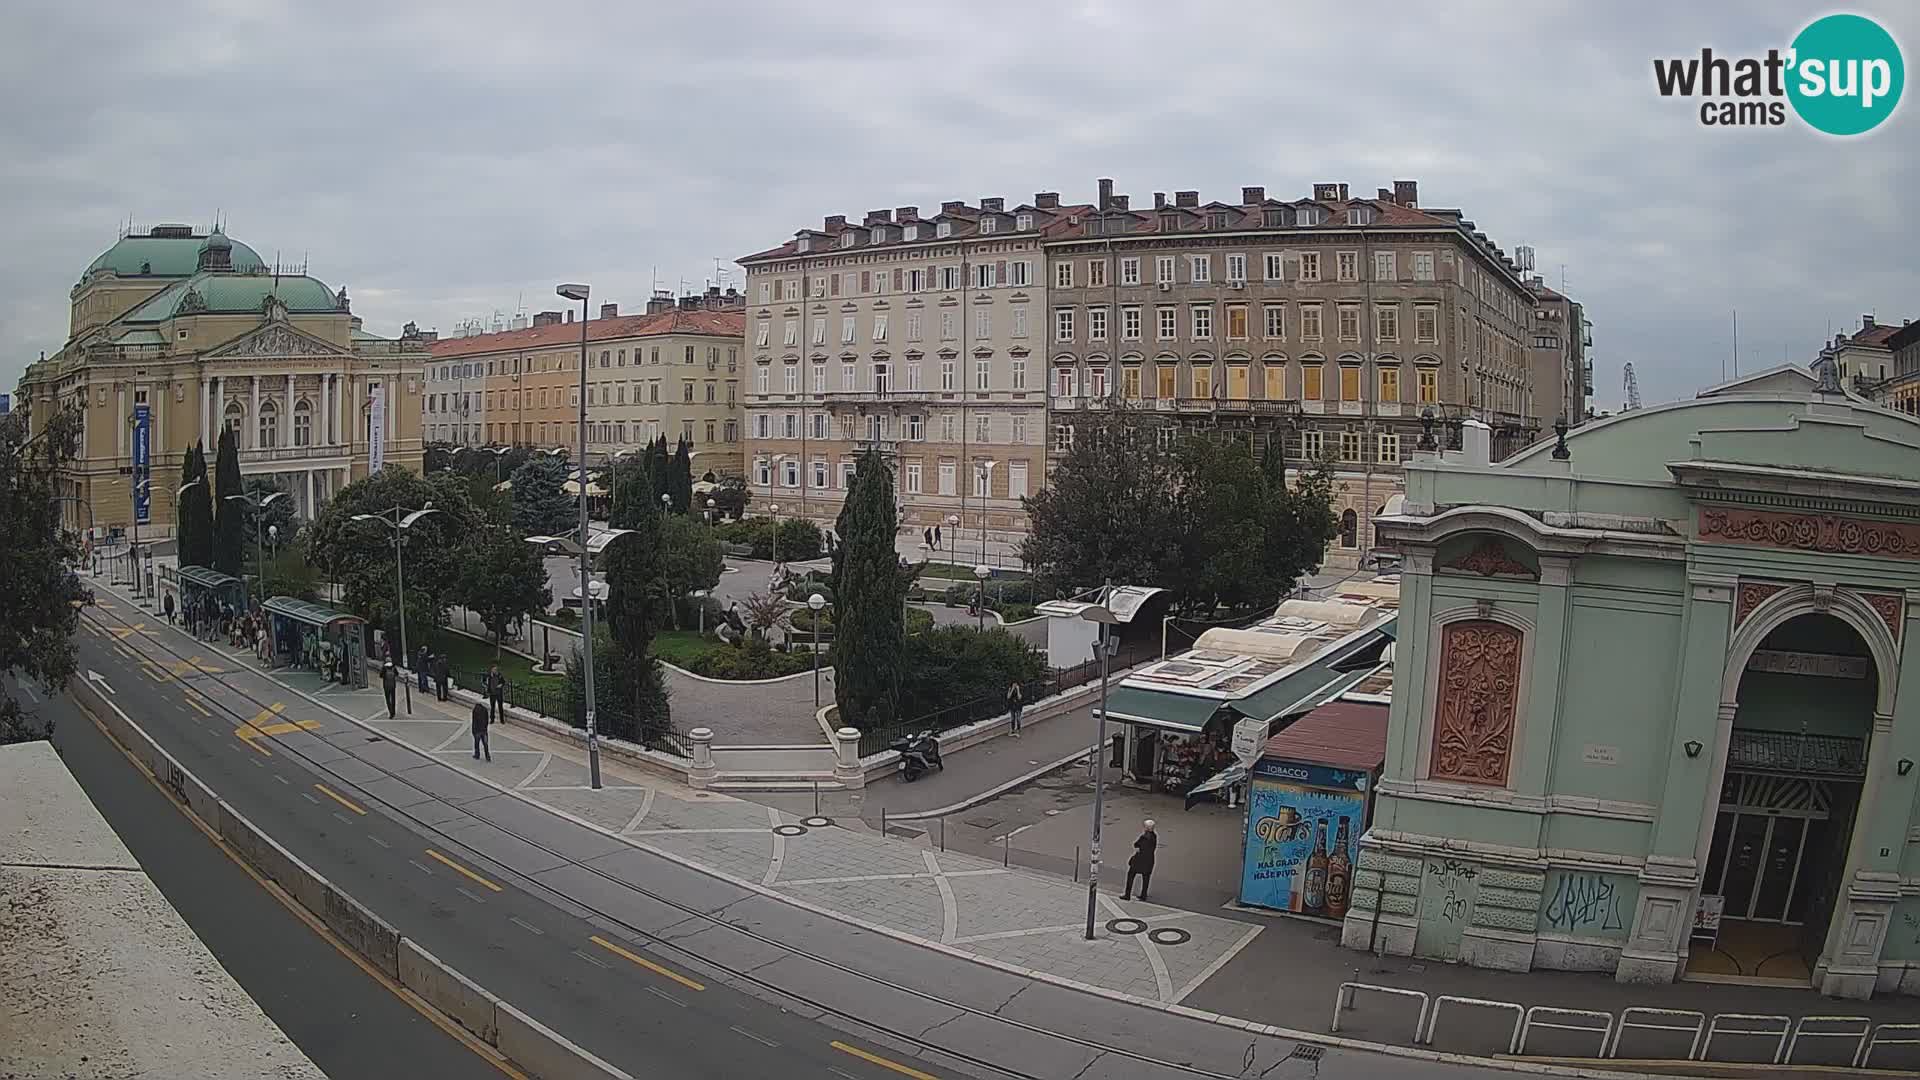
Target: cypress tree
[(183, 539), (197, 511), (869, 646), (229, 515), (680, 477)]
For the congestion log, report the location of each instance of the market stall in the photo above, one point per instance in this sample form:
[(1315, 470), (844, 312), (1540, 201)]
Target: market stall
[(1309, 797)]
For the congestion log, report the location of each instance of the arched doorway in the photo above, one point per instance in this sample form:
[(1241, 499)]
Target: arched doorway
[(1796, 763), (1349, 529)]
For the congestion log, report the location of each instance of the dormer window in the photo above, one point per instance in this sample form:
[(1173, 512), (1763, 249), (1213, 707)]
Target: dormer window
[(846, 239), (943, 230), (1217, 220), (1022, 222), (1274, 219), (1169, 222), (1312, 215), (802, 243), (1359, 215), (989, 224), (911, 232), (879, 234)]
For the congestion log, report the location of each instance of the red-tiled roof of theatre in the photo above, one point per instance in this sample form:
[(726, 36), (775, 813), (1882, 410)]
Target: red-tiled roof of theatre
[(731, 324), (1340, 735), (965, 226)]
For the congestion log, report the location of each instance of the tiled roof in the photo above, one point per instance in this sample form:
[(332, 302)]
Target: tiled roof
[(964, 219), (1873, 335), (1253, 218), (1341, 735), (729, 324)]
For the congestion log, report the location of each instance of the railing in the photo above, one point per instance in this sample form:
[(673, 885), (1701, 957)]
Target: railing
[(291, 453)]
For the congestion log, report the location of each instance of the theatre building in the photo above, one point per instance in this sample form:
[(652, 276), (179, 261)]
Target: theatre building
[(1654, 711)]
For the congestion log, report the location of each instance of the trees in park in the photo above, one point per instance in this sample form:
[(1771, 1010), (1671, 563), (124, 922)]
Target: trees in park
[(37, 583), (731, 497), (360, 554), (230, 539), (194, 511), (503, 579), (541, 505), (869, 644), (679, 476)]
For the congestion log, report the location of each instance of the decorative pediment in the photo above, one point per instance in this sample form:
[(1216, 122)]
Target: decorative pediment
[(1021, 351), (947, 352), (275, 339), (1489, 558), (913, 354)]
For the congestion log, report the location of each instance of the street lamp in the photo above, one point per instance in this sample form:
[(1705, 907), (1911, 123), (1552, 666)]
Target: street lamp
[(273, 536), (580, 293), (398, 520), (248, 497), (774, 509), (1102, 614), (666, 503), (710, 505), (986, 490), (816, 602), (983, 572), (700, 598), (953, 532)]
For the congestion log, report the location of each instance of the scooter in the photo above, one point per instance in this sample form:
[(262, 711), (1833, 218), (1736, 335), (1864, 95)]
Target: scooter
[(919, 754)]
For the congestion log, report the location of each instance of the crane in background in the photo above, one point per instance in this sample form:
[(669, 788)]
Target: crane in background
[(1632, 387)]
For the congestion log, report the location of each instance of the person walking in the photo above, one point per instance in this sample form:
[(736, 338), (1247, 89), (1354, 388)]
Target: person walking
[(1141, 864), (480, 719), (440, 673), (1015, 702), (496, 692), (389, 682), (166, 602), (422, 664)]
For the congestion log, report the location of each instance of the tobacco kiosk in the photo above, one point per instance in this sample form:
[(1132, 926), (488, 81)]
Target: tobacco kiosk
[(1309, 797)]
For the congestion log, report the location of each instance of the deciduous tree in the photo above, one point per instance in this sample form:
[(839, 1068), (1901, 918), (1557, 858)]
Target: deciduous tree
[(360, 553), (37, 583), (503, 579), (1108, 511)]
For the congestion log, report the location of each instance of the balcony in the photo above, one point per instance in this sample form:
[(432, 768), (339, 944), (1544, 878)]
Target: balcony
[(882, 397), (266, 454)]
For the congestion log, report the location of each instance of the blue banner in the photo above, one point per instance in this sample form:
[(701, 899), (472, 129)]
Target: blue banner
[(1320, 776), (142, 463), (6, 404)]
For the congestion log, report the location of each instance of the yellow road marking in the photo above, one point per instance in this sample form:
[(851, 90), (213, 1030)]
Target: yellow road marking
[(863, 1055), (646, 963), (153, 673), (126, 652), (192, 663), (337, 797), (437, 857), (259, 728), (125, 632), (197, 707)]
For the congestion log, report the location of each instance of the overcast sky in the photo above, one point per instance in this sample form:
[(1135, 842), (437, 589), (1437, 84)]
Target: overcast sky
[(446, 162)]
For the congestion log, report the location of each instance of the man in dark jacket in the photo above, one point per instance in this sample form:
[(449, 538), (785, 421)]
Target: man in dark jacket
[(422, 665), (389, 683), (496, 691), (1141, 864), (480, 731), (440, 674)]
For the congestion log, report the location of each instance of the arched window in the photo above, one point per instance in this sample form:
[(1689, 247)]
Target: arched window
[(234, 416), (269, 424), (303, 423), (1349, 529)]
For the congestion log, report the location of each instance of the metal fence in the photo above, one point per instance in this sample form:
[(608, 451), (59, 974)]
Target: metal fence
[(549, 698)]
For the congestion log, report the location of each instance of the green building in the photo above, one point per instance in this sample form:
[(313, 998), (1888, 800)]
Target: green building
[(1649, 713)]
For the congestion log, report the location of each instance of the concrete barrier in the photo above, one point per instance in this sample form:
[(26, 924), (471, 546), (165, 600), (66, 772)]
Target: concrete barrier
[(278, 864), (449, 991), (546, 1053), (366, 933)]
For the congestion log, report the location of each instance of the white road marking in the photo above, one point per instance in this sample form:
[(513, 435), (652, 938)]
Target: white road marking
[(282, 779), (524, 925), (664, 996), (420, 866), (761, 1039), (463, 892), (344, 819), (842, 1072), (379, 841), (304, 795), (595, 961)]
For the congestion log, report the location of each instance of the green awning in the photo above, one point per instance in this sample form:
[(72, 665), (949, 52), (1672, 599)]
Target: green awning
[(305, 611), (1158, 708)]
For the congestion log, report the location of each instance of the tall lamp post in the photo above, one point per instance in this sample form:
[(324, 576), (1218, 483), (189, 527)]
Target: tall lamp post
[(953, 534), (774, 509), (983, 572), (398, 520), (580, 293), (1102, 614), (259, 546), (815, 603), (986, 492)]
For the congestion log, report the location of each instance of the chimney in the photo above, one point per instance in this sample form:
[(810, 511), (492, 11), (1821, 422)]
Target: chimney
[(546, 318), (995, 204), (1343, 193), (906, 215), (1406, 192), (1476, 443), (609, 311), (1120, 201), (1106, 194), (952, 205), (569, 314), (1866, 321), (835, 221), (1159, 200), (1046, 200), (661, 301), (1251, 196), (1383, 195), (1186, 198), (1326, 192)]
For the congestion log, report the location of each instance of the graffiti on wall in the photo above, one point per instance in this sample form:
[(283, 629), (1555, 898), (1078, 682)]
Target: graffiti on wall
[(1588, 904), (1448, 888)]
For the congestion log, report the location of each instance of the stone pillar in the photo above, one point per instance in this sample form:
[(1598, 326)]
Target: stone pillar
[(286, 414), (312, 507), (701, 771), (1849, 965), (392, 418), (323, 416), (846, 758), (250, 439), (120, 429)]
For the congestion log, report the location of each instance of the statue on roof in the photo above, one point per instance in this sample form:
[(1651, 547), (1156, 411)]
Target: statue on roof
[(190, 302), (340, 300), (274, 308)]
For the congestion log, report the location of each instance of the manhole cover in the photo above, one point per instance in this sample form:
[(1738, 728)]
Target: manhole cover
[(790, 830), (816, 822), (1125, 926), (1306, 1052), (1169, 935)]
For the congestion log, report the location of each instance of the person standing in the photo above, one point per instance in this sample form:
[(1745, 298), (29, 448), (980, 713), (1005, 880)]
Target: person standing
[(1015, 702), (166, 602), (480, 731), (440, 673), (422, 664), (389, 682), (1141, 864), (496, 692)]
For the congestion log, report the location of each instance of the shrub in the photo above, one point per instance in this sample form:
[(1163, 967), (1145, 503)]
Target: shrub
[(753, 660), (566, 616), (919, 620), (799, 590), (803, 620), (960, 595), (953, 665)]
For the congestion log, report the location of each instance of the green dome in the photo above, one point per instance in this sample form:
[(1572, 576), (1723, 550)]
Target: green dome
[(167, 251), (235, 294)]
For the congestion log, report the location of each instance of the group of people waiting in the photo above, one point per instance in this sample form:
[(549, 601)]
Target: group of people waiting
[(208, 619)]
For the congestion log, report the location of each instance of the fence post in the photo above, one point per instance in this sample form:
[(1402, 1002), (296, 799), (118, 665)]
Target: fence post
[(701, 772), (846, 765)]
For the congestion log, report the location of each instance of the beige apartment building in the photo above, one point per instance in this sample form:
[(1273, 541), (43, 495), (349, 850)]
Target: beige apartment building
[(1325, 325), (197, 333), (923, 336), (674, 371), (1562, 370)]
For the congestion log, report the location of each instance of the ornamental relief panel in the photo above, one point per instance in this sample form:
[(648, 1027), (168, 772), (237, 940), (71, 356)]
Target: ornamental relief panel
[(1477, 704), (1810, 532), (1752, 595), (1891, 607), (1489, 558)]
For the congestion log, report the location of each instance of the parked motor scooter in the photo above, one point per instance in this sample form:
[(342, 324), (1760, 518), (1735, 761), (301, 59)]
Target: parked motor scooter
[(919, 754)]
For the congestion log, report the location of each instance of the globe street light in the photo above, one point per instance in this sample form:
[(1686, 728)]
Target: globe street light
[(710, 505), (983, 572), (816, 602), (953, 532), (580, 293), (774, 509)]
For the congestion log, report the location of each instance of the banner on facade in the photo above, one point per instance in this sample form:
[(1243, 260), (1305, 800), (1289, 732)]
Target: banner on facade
[(377, 430), (142, 463)]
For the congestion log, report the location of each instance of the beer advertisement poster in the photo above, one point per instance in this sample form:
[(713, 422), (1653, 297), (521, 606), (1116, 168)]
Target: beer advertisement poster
[(1301, 842)]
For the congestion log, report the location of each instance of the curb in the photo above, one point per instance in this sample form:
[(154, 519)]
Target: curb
[(975, 800)]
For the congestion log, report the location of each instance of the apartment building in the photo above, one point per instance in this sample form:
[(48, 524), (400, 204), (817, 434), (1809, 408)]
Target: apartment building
[(674, 371), (1325, 325), (922, 336), (1562, 370)]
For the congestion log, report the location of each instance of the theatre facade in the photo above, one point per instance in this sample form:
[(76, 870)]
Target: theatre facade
[(1652, 711)]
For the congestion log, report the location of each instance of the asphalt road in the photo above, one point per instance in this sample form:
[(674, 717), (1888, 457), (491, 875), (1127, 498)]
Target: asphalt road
[(650, 1016)]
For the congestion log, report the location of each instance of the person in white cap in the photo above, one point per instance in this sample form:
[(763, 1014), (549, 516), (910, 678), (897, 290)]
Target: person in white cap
[(1141, 864)]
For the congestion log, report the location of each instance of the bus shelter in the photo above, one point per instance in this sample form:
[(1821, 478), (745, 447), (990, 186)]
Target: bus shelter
[(196, 583), (314, 637)]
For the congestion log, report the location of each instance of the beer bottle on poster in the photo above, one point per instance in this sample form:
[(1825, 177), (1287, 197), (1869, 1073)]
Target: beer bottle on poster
[(1314, 902), (1339, 874)]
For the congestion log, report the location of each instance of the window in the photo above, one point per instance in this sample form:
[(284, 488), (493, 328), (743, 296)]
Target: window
[(1423, 266), (1390, 447), (982, 479), (1429, 385), (760, 339), (1426, 323), (1063, 323), (1063, 275), (1065, 384), (655, 356), (982, 427), (1019, 374), (1350, 446), (819, 332), (879, 328), (1239, 387), (817, 425), (946, 427), (913, 374), (880, 383), (1163, 269), (302, 424), (1276, 267), (1386, 322), (1236, 322), (1310, 387), (983, 374), (1129, 323), (1389, 383), (947, 477), (620, 360), (949, 275), (1019, 273), (792, 335), (1276, 322), (1203, 381), (1023, 222), (732, 430), (1273, 219), (1202, 315), (790, 425), (1130, 382), (1309, 266), (1200, 268), (982, 323), (1097, 382), (766, 292), (791, 383), (269, 424), (915, 428), (989, 224), (1016, 480), (1019, 322), (819, 378), (790, 473), (1096, 324), (1383, 269), (984, 275), (1130, 270), (1237, 268), (653, 389), (1019, 429), (762, 472), (1165, 381), (1311, 215), (1349, 382), (606, 358), (1096, 273), (943, 229), (913, 478), (1273, 376), (946, 375), (947, 326), (1063, 437), (761, 426), (1347, 265), (686, 392), (762, 375), (1169, 323), (1313, 445), (1349, 322), (820, 472)]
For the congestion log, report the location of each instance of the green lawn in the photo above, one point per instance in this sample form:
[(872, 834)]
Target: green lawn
[(679, 646), (957, 572), (471, 654)]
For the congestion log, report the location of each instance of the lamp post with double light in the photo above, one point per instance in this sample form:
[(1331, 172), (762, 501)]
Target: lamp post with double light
[(257, 502), (580, 293), (398, 520)]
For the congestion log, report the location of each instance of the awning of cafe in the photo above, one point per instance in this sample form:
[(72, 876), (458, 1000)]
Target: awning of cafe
[(1158, 709)]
